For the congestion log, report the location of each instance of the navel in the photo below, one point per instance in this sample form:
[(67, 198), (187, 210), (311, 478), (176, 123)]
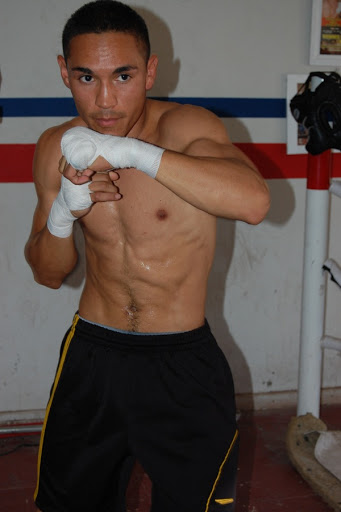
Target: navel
[(132, 316)]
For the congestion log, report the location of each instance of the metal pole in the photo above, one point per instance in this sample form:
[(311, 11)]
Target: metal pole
[(20, 429), (314, 283)]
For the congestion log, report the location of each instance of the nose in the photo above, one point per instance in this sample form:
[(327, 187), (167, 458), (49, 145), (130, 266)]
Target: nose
[(106, 97)]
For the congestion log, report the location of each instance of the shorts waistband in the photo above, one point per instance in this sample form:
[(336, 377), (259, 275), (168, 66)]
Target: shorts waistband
[(99, 334)]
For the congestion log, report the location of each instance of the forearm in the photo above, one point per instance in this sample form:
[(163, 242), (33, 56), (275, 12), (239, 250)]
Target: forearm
[(50, 258), (50, 250), (223, 187), (213, 176)]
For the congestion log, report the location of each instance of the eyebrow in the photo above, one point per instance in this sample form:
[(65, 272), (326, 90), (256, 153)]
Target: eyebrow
[(119, 70), (82, 70)]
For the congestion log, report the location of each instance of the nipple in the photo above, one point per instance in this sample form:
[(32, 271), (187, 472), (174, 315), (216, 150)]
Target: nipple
[(162, 214)]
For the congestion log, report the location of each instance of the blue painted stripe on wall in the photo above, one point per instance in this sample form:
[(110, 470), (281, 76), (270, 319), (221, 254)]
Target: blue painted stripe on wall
[(222, 107)]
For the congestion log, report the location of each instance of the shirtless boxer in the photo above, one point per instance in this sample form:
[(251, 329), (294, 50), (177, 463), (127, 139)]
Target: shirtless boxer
[(140, 375)]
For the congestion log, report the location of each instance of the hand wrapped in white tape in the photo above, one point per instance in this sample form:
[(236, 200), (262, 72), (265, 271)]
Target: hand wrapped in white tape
[(81, 146), (70, 198)]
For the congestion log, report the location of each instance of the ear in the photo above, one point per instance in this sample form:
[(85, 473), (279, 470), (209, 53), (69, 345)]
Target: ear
[(63, 70), (151, 71)]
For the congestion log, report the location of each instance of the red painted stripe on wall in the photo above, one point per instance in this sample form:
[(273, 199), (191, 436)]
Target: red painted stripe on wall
[(274, 163), (271, 159), (16, 163)]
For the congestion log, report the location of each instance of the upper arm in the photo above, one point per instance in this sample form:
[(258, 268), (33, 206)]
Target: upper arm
[(210, 139), (198, 132), (202, 157), (46, 176)]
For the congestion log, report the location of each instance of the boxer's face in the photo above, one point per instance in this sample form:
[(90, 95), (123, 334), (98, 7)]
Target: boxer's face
[(108, 77)]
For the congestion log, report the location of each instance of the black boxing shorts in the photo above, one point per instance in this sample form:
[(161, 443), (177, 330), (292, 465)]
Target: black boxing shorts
[(166, 400)]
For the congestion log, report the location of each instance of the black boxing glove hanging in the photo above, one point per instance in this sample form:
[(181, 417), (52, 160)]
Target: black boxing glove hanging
[(317, 106)]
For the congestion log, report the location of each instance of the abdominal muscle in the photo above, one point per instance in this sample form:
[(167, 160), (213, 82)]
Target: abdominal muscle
[(147, 270)]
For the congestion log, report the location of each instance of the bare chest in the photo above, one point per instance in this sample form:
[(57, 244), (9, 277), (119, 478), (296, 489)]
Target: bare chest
[(146, 213), (144, 252)]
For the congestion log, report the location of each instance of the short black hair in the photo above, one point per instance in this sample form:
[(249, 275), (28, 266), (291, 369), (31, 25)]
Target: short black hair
[(105, 16)]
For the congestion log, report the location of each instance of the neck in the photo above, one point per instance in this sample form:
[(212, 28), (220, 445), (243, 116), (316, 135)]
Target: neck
[(141, 127)]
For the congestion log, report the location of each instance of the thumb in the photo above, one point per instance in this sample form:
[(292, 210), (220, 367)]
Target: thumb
[(113, 175)]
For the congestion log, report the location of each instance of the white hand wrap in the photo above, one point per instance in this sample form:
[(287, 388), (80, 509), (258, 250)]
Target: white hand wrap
[(81, 146), (71, 197)]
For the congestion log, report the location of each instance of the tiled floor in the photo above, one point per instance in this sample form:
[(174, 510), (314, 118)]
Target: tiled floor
[(266, 480)]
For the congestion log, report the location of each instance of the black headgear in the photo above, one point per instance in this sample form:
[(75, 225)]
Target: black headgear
[(319, 110)]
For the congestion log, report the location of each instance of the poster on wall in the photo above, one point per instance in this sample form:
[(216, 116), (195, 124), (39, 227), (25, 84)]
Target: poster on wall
[(325, 38), (297, 134)]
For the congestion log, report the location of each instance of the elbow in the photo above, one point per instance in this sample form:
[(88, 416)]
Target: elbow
[(259, 208), (48, 282), (48, 273), (49, 278), (41, 277)]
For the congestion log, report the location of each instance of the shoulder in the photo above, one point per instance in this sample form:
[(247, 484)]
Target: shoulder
[(48, 153), (52, 136), (180, 125), (48, 145)]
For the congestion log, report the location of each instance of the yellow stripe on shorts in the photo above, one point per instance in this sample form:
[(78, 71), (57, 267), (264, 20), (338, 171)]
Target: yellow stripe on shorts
[(55, 384), (227, 500)]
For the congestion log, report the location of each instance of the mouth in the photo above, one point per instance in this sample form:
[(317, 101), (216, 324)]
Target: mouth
[(106, 122)]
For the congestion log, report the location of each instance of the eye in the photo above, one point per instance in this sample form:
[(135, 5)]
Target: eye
[(86, 78), (123, 78)]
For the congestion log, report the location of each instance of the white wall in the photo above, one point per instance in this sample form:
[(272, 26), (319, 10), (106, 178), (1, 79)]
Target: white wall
[(223, 48)]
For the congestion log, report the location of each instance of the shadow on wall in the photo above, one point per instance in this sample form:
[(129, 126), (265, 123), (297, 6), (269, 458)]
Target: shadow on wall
[(282, 193), (283, 205), (282, 208), (162, 45)]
